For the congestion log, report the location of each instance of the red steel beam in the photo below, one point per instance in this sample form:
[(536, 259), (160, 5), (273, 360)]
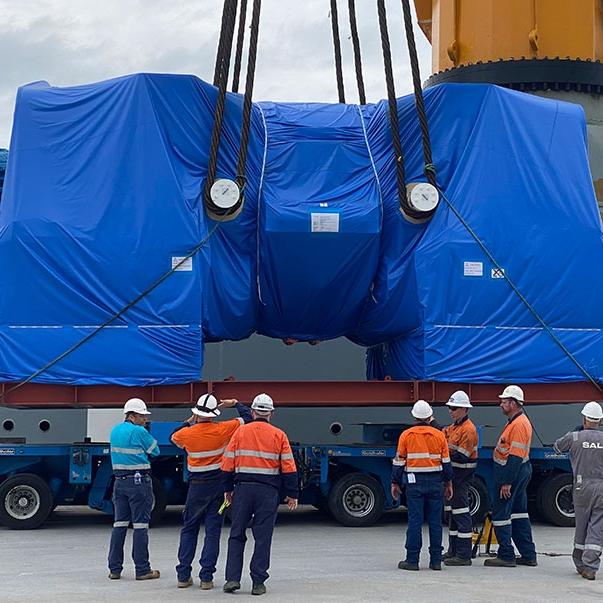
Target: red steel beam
[(286, 393)]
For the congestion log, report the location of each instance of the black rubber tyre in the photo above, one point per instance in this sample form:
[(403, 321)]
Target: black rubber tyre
[(479, 502), (159, 501), (356, 500), (25, 502), (555, 500)]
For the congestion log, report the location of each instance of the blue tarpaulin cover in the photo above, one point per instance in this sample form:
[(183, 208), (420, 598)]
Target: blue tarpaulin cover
[(103, 194)]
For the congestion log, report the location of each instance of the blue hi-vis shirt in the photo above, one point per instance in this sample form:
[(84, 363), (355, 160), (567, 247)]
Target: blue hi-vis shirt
[(131, 447)]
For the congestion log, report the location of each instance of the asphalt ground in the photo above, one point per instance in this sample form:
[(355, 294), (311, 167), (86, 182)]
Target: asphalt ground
[(313, 559)]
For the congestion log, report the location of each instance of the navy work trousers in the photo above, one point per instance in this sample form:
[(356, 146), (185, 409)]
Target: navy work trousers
[(254, 505), (424, 500), (203, 501), (510, 516), (132, 502), (459, 521)]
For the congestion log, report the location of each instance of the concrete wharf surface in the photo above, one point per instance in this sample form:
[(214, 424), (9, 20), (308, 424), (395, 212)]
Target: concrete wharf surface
[(313, 559)]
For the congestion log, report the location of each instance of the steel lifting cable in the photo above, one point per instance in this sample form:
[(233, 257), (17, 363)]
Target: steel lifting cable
[(240, 41), (245, 126), (357, 55), (223, 66), (430, 172), (220, 51), (337, 51)]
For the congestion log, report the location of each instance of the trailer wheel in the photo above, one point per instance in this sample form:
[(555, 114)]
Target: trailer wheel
[(25, 502), (159, 501), (478, 500), (555, 500), (356, 500)]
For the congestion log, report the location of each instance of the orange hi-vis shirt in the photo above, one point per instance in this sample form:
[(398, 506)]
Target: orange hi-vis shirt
[(462, 442), (514, 440), (205, 444), (423, 449), (260, 452)]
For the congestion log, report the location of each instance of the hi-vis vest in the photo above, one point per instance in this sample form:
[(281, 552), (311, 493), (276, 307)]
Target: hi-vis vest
[(462, 440), (515, 439), (131, 447), (259, 449), (422, 449), (205, 444)]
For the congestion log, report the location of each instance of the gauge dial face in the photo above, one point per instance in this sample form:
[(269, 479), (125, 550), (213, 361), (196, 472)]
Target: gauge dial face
[(424, 196), (224, 193)]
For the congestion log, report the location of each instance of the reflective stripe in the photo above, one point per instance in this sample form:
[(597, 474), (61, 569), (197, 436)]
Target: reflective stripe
[(502, 462), (126, 467), (447, 508), (446, 459), (464, 465), (121, 524), (261, 470), (460, 511), (152, 447), (423, 455), (229, 455), (501, 449), (453, 533), (398, 462), (575, 436), (241, 421), (520, 516), (465, 534), (504, 522), (580, 547), (140, 526), (195, 469), (593, 547), (422, 469), (127, 450), (206, 454), (519, 445), (259, 454), (460, 449), (578, 479), (288, 456), (525, 460)]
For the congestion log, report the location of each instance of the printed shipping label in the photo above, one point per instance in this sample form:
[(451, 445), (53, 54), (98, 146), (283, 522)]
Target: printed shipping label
[(473, 269), (324, 222), (186, 266)]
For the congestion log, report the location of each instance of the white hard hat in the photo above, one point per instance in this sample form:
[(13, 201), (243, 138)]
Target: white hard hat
[(593, 411), (207, 406), (262, 403), (136, 405), (513, 391), (459, 400), (421, 410)]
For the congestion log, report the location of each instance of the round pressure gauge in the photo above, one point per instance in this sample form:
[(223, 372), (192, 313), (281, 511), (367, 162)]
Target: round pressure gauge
[(423, 196), (225, 193)]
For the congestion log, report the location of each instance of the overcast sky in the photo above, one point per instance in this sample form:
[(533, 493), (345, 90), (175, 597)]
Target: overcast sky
[(68, 42)]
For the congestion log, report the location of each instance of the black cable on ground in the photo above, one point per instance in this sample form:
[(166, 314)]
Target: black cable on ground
[(419, 101), (240, 42), (393, 110), (251, 61), (357, 54), (337, 51), (230, 8)]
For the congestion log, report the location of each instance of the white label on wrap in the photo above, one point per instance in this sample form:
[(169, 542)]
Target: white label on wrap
[(324, 222), (473, 269), (186, 266)]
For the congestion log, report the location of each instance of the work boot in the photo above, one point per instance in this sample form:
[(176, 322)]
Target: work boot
[(258, 589), (456, 561), (116, 576), (185, 583), (150, 575), (435, 566), (405, 565), (448, 555), (207, 584), (587, 573), (498, 562), (523, 561), (231, 586)]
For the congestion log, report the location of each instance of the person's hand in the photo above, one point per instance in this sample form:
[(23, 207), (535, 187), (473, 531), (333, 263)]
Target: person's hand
[(505, 491), (291, 502), (396, 491), (228, 497), (448, 492), (228, 403)]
